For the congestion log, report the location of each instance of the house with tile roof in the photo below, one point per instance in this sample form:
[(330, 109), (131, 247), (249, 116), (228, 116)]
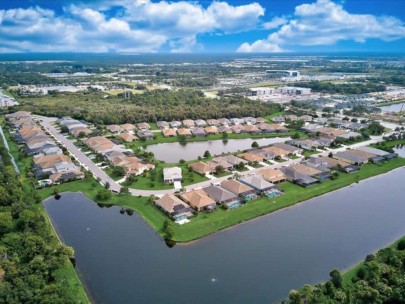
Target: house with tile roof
[(174, 207), (199, 200)]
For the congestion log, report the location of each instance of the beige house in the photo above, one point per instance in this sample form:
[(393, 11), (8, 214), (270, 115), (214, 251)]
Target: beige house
[(274, 176), (127, 137), (201, 168), (199, 200)]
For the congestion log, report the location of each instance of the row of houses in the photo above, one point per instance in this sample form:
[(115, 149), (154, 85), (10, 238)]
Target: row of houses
[(227, 162), (214, 130), (275, 151), (129, 132), (50, 165), (75, 127), (229, 194), (201, 123), (292, 117), (118, 155)]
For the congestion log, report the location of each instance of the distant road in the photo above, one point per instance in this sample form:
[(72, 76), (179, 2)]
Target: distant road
[(99, 174)]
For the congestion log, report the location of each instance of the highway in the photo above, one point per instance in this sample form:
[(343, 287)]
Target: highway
[(99, 174)]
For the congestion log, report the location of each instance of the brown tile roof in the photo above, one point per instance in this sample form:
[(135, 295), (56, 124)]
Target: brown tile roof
[(276, 151), (50, 161), (211, 130), (361, 153), (127, 137), (169, 201), (197, 198), (56, 176), (99, 143), (251, 157), (306, 170), (236, 187), (169, 132), (183, 131), (200, 167), (251, 128), (114, 128), (272, 175), (128, 127), (77, 132)]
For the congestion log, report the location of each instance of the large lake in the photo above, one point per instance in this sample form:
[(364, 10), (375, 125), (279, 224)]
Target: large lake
[(121, 259), (393, 108), (173, 152)]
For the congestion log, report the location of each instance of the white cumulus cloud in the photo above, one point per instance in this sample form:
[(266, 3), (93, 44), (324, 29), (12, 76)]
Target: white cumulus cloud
[(137, 26), (326, 23)]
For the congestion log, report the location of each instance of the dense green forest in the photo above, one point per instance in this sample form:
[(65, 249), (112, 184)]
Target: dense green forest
[(379, 280), (31, 258), (343, 88), (149, 106)]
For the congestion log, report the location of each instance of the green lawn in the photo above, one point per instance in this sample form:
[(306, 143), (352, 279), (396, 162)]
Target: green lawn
[(155, 177), (205, 224), (309, 152), (388, 103)]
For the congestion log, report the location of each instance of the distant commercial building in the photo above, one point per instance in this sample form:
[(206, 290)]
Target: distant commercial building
[(294, 90), (282, 73)]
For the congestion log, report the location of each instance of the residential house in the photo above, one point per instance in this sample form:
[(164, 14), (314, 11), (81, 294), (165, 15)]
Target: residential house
[(114, 129), (356, 126), (331, 131), (174, 207), (278, 119), (351, 158), (213, 122), (237, 121), (350, 135), (306, 118), (162, 125), (199, 132), (200, 123), (201, 168), (277, 152), (307, 144), (224, 121), (19, 115), (242, 190), (252, 157), (211, 130), (252, 129), (222, 196), (184, 132), (219, 162), (277, 128), (99, 144), (146, 134), (324, 141), (66, 176), (260, 120), (188, 123), (224, 129), (311, 171), (260, 185), (370, 156), (298, 178), (291, 149), (51, 164), (379, 152), (128, 127), (175, 124), (137, 168), (127, 137), (199, 200), (274, 176), (171, 175), (249, 120), (143, 126), (237, 129), (169, 132), (81, 131), (326, 163), (234, 160)]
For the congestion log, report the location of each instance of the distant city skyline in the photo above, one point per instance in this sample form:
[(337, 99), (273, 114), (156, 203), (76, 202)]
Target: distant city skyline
[(146, 26)]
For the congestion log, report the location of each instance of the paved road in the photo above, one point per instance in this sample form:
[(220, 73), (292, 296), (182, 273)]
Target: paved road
[(98, 173)]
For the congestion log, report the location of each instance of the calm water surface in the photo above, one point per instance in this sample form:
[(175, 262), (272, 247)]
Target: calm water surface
[(173, 152), (394, 108), (122, 260)]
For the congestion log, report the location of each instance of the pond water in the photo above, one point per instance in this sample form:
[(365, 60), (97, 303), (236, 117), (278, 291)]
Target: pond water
[(393, 108), (173, 152), (121, 259)]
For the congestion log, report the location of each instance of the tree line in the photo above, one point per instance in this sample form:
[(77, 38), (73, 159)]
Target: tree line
[(30, 257)]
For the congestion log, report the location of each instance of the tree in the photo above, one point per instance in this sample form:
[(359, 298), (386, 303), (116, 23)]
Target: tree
[(107, 185), (103, 195), (401, 245), (255, 145), (118, 171), (336, 278), (168, 230), (219, 169), (124, 190), (6, 223), (296, 135), (207, 154)]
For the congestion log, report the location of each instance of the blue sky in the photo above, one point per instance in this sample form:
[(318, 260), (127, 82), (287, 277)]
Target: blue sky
[(134, 26)]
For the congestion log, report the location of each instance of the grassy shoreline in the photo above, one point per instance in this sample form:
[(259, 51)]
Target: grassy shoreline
[(206, 224), (389, 103)]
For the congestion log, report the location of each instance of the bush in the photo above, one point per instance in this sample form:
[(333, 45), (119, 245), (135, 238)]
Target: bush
[(401, 245)]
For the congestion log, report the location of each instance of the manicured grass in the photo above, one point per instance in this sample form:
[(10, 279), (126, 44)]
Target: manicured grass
[(309, 152), (155, 177), (204, 224)]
